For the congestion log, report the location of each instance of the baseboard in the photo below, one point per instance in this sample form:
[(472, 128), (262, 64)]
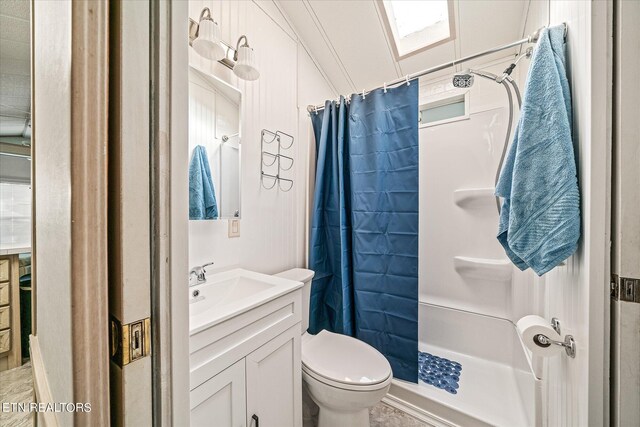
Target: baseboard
[(417, 413), (41, 385)]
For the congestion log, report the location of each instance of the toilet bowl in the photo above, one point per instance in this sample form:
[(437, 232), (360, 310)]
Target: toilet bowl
[(343, 375)]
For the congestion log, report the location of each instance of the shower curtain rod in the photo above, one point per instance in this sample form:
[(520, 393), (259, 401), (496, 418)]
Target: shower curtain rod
[(531, 38)]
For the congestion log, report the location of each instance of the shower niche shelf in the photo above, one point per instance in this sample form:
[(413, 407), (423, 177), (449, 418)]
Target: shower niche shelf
[(499, 270), (470, 198)]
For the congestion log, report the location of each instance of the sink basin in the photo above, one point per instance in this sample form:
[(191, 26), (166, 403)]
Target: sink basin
[(231, 293)]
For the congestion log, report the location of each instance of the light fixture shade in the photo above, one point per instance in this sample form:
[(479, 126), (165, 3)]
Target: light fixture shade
[(245, 67), (207, 43)]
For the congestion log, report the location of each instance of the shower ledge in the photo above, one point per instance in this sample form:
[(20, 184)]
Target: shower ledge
[(483, 268), (473, 197)]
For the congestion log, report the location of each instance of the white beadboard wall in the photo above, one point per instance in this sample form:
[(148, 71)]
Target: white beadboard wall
[(272, 221), (575, 390)]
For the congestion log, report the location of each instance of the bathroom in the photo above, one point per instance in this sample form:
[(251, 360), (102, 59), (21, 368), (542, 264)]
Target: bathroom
[(230, 259), (470, 296)]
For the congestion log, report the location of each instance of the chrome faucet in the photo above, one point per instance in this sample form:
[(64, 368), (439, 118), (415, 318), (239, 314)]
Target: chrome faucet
[(200, 272)]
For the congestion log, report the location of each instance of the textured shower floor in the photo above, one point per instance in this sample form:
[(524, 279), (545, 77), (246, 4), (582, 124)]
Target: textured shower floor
[(487, 394)]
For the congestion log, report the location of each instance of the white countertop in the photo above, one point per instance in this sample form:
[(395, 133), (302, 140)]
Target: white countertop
[(231, 293), (13, 250)]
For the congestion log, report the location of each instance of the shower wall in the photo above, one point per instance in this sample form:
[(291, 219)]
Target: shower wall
[(469, 292), (462, 265)]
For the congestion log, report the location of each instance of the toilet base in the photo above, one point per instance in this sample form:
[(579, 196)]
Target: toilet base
[(330, 418), (338, 407)]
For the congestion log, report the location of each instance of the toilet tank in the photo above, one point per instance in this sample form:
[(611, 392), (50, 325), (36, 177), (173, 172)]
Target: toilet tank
[(305, 276)]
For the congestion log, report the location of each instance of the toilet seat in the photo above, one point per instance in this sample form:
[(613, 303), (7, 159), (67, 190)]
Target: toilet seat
[(344, 362)]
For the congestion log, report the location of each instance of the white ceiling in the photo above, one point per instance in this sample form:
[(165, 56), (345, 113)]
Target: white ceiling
[(350, 44), (15, 76)]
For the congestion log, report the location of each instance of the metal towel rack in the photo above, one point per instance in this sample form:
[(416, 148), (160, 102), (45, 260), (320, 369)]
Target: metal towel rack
[(278, 160)]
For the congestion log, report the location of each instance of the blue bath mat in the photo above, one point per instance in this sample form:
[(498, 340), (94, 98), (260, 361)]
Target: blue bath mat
[(439, 372)]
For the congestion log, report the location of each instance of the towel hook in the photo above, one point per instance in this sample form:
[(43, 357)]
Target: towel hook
[(407, 79)]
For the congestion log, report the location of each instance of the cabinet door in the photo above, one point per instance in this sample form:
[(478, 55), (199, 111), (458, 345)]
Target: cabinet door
[(220, 401), (274, 382)]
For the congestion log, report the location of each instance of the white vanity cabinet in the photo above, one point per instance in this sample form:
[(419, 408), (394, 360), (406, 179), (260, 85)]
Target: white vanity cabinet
[(245, 371)]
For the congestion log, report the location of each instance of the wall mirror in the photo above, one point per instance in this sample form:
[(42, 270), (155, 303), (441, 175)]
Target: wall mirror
[(214, 123)]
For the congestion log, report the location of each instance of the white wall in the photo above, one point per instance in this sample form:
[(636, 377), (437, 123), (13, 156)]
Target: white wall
[(575, 389), (272, 224), (52, 152)]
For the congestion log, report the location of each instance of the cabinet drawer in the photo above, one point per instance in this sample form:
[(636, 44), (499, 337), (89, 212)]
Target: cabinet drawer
[(4, 269), (4, 293), (5, 317), (5, 340)]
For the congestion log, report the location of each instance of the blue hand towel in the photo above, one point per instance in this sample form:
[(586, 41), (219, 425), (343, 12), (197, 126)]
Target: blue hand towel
[(540, 217), (202, 196)]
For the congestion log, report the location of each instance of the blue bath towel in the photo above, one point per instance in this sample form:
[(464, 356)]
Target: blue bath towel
[(540, 216), (202, 196)]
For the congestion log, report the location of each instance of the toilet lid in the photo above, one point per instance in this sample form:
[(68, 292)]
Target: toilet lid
[(344, 359)]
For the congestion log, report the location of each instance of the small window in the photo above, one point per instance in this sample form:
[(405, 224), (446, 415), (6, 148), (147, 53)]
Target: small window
[(15, 214), (416, 25), (444, 111), (15, 201)]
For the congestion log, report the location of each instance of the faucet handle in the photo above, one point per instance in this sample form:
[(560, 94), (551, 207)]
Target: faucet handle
[(207, 265)]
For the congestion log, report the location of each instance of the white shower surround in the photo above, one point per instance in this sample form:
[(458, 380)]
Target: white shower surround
[(469, 299)]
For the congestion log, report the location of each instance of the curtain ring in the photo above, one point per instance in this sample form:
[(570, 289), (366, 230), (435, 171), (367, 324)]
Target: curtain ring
[(407, 79), (315, 108), (384, 86), (363, 94)]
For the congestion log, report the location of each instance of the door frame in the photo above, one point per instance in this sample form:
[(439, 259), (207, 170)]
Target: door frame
[(625, 220), (88, 208), (169, 212), (89, 272)]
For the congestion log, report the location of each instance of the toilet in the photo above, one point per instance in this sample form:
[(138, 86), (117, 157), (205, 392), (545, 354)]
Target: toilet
[(343, 375)]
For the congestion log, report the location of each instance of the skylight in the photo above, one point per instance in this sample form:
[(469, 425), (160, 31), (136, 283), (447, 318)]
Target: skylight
[(417, 25)]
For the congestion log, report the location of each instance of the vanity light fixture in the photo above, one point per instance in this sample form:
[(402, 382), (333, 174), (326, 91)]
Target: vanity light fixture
[(205, 37), (245, 66)]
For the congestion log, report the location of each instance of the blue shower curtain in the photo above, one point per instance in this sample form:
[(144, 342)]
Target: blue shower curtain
[(364, 238)]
